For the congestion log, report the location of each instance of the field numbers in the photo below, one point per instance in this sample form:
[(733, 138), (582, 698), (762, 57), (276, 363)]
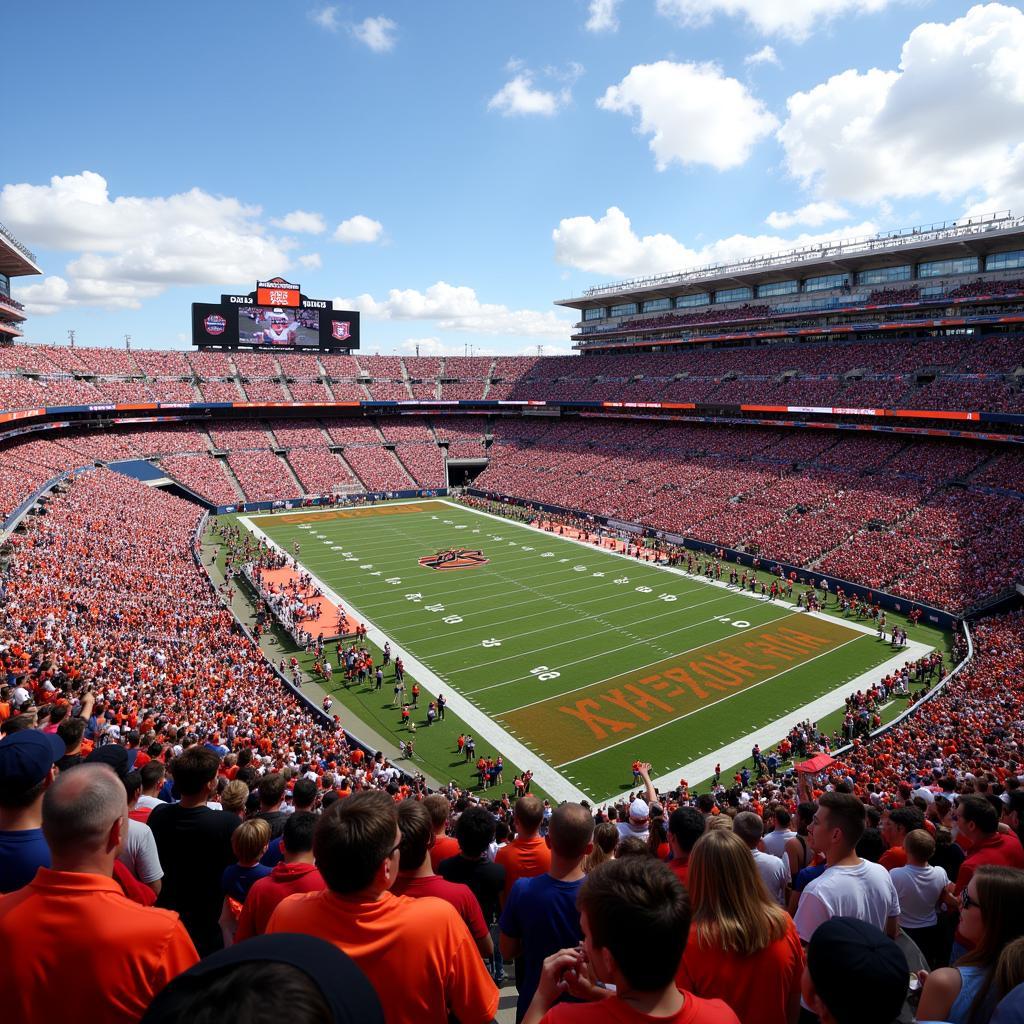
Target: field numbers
[(548, 554), (393, 580), (452, 620), (667, 597), (435, 607), (740, 624), (491, 643), (621, 579), (367, 566), (643, 590), (579, 568), (526, 548), (415, 598), (461, 526), (544, 674), (598, 574)]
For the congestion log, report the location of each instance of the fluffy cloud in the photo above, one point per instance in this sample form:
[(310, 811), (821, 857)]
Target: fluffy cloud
[(457, 308), (311, 261), (326, 18), (793, 19), (358, 229), (131, 248), (948, 122), (693, 112), (609, 246), (766, 55), (602, 16), (813, 215), (300, 221), (519, 95), (376, 33)]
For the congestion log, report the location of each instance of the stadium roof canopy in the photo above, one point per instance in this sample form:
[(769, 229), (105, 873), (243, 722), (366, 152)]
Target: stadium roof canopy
[(969, 236), (15, 259)]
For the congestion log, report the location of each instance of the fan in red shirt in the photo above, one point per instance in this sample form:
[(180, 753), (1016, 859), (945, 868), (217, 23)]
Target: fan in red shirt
[(444, 846), (620, 900), (295, 873), (528, 854)]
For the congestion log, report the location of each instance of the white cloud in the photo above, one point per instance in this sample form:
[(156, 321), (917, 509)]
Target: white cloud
[(793, 19), (602, 16), (311, 261), (609, 246), (948, 122), (131, 248), (694, 113), (358, 229), (766, 55), (457, 308), (326, 18), (302, 222), (813, 215), (376, 33), (519, 96)]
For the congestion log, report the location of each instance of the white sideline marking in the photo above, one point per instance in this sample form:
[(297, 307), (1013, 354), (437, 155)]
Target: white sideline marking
[(482, 725)]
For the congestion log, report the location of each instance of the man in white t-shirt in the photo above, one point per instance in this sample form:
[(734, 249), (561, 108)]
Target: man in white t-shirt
[(921, 887), (849, 887), (775, 841), (773, 871)]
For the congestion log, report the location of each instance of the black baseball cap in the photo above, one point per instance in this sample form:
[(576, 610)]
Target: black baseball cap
[(26, 757)]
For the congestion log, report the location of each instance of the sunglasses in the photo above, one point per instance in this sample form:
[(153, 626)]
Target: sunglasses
[(966, 902)]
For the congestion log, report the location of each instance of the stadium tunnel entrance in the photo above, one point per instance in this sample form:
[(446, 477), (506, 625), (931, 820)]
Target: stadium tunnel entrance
[(464, 471)]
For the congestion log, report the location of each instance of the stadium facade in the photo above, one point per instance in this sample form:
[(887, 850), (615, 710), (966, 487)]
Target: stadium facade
[(15, 261)]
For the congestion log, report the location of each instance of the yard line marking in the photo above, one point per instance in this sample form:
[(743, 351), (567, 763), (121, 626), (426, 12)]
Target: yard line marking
[(483, 725)]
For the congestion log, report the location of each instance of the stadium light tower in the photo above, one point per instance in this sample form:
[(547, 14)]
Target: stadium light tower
[(128, 342), (71, 338)]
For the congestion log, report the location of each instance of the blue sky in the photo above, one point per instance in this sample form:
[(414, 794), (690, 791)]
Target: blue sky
[(453, 167)]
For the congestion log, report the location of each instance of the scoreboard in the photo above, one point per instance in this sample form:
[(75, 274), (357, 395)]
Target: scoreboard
[(274, 315)]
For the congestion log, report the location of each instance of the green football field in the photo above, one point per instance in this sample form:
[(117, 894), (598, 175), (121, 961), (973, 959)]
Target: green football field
[(570, 659)]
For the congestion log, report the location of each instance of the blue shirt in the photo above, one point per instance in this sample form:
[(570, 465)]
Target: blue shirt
[(20, 854), (540, 912), (237, 881)]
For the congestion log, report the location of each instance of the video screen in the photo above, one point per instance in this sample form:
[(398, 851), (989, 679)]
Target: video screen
[(264, 325)]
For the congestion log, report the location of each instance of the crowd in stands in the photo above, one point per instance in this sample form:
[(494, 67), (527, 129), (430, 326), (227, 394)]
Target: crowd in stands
[(148, 755)]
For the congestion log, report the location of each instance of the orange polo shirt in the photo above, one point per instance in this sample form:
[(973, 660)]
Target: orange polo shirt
[(86, 938), (417, 953), (443, 848), (523, 858)]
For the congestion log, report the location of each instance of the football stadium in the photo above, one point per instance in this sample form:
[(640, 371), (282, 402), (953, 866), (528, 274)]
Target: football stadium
[(673, 676)]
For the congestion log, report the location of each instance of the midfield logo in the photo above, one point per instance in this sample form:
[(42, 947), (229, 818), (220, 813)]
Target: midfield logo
[(454, 558)]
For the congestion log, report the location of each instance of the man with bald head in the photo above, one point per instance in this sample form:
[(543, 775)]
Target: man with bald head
[(85, 936)]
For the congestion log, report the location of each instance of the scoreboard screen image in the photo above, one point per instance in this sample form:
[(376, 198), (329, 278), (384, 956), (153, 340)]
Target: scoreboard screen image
[(279, 326), (274, 315)]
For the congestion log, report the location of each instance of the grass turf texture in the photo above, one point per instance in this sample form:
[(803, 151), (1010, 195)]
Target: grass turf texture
[(588, 659)]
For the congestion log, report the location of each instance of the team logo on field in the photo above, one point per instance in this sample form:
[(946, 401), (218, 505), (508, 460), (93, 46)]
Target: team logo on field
[(454, 558), (215, 324)]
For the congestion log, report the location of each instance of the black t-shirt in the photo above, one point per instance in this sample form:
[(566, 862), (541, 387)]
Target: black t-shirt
[(484, 878), (194, 844), (276, 820)]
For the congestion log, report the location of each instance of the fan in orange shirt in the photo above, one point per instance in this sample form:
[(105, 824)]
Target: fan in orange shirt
[(528, 854), (418, 954)]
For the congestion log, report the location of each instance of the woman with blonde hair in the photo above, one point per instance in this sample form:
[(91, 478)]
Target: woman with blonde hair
[(743, 947)]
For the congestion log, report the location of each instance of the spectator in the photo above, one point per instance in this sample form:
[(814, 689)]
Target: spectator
[(295, 873), (921, 889), (854, 974), (620, 901), (271, 789), (277, 977), (416, 877), (85, 938), (540, 915), (685, 826), (775, 842), (979, 826), (895, 827), (743, 948), (992, 916), (475, 832), (798, 850), (772, 869), (27, 770), (606, 838), (153, 774), (638, 821), (444, 846), (194, 844), (850, 887), (417, 954), (527, 855), (235, 797)]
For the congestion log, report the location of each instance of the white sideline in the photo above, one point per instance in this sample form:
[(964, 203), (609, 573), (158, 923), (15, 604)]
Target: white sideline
[(547, 776), (482, 725)]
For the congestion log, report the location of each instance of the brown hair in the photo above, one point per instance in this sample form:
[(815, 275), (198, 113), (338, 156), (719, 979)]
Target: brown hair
[(250, 839), (352, 839), (731, 908)]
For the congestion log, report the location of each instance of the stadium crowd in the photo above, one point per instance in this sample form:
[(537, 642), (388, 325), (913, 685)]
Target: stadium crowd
[(149, 755)]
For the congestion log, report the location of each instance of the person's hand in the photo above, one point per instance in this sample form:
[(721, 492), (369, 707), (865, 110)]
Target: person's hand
[(582, 983), (553, 976), (645, 771)]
